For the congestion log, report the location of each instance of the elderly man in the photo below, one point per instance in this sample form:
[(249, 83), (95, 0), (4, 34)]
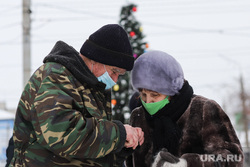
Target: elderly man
[(64, 115)]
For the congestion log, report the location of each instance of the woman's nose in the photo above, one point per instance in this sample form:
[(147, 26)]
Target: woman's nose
[(149, 100)]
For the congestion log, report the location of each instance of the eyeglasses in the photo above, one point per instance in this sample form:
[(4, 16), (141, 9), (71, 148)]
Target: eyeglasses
[(116, 71)]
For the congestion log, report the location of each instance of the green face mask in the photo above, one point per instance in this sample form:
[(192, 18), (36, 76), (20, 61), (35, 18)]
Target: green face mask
[(153, 108)]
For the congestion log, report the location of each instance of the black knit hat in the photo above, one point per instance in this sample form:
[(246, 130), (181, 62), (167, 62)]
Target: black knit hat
[(109, 45)]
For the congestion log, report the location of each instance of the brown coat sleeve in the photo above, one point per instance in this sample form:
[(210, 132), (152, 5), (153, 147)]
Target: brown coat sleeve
[(217, 136)]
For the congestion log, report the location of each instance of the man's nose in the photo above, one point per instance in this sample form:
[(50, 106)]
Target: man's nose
[(115, 78)]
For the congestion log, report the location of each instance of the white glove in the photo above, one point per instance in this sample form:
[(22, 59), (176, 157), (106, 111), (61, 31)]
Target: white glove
[(166, 159)]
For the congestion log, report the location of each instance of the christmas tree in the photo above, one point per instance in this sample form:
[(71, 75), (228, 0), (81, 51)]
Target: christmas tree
[(133, 28), (122, 91)]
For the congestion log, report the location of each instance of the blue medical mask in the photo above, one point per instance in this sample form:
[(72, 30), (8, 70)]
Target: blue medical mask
[(105, 78)]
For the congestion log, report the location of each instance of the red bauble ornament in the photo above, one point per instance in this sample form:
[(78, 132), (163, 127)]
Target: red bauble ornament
[(134, 9), (132, 33)]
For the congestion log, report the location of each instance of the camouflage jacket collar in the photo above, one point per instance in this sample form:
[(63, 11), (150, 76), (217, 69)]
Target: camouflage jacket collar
[(67, 56)]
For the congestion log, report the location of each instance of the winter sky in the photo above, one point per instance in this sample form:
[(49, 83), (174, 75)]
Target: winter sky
[(210, 38)]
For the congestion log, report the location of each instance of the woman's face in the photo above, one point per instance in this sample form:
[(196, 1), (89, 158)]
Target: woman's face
[(149, 96)]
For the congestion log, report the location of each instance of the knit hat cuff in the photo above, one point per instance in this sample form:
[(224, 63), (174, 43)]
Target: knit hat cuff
[(107, 56)]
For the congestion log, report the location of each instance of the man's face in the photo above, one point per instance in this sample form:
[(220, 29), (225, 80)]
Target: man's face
[(114, 72)]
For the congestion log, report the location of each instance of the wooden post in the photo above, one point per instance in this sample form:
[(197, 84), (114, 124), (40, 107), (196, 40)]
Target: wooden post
[(244, 109), (26, 24)]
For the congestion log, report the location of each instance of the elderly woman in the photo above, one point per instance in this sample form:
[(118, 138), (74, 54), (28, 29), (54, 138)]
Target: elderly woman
[(181, 129)]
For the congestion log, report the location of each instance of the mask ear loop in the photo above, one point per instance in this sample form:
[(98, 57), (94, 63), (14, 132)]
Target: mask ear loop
[(104, 67), (92, 64)]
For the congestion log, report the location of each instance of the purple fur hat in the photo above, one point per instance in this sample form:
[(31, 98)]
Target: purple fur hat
[(159, 72)]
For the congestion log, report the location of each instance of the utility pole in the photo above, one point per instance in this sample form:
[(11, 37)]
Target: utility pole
[(244, 110), (26, 41), (243, 99)]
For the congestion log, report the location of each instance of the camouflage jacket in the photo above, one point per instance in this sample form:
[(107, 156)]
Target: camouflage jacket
[(64, 117)]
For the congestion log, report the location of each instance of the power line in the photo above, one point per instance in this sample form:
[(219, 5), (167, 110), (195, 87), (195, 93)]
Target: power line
[(10, 25), (13, 8), (13, 41), (78, 11)]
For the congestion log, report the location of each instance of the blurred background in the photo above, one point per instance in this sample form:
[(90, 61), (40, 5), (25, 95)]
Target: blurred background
[(210, 39)]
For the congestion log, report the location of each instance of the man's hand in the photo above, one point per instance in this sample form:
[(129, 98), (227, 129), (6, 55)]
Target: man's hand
[(135, 136), (140, 134)]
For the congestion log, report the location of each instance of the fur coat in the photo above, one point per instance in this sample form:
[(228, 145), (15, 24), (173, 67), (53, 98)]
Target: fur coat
[(208, 137)]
